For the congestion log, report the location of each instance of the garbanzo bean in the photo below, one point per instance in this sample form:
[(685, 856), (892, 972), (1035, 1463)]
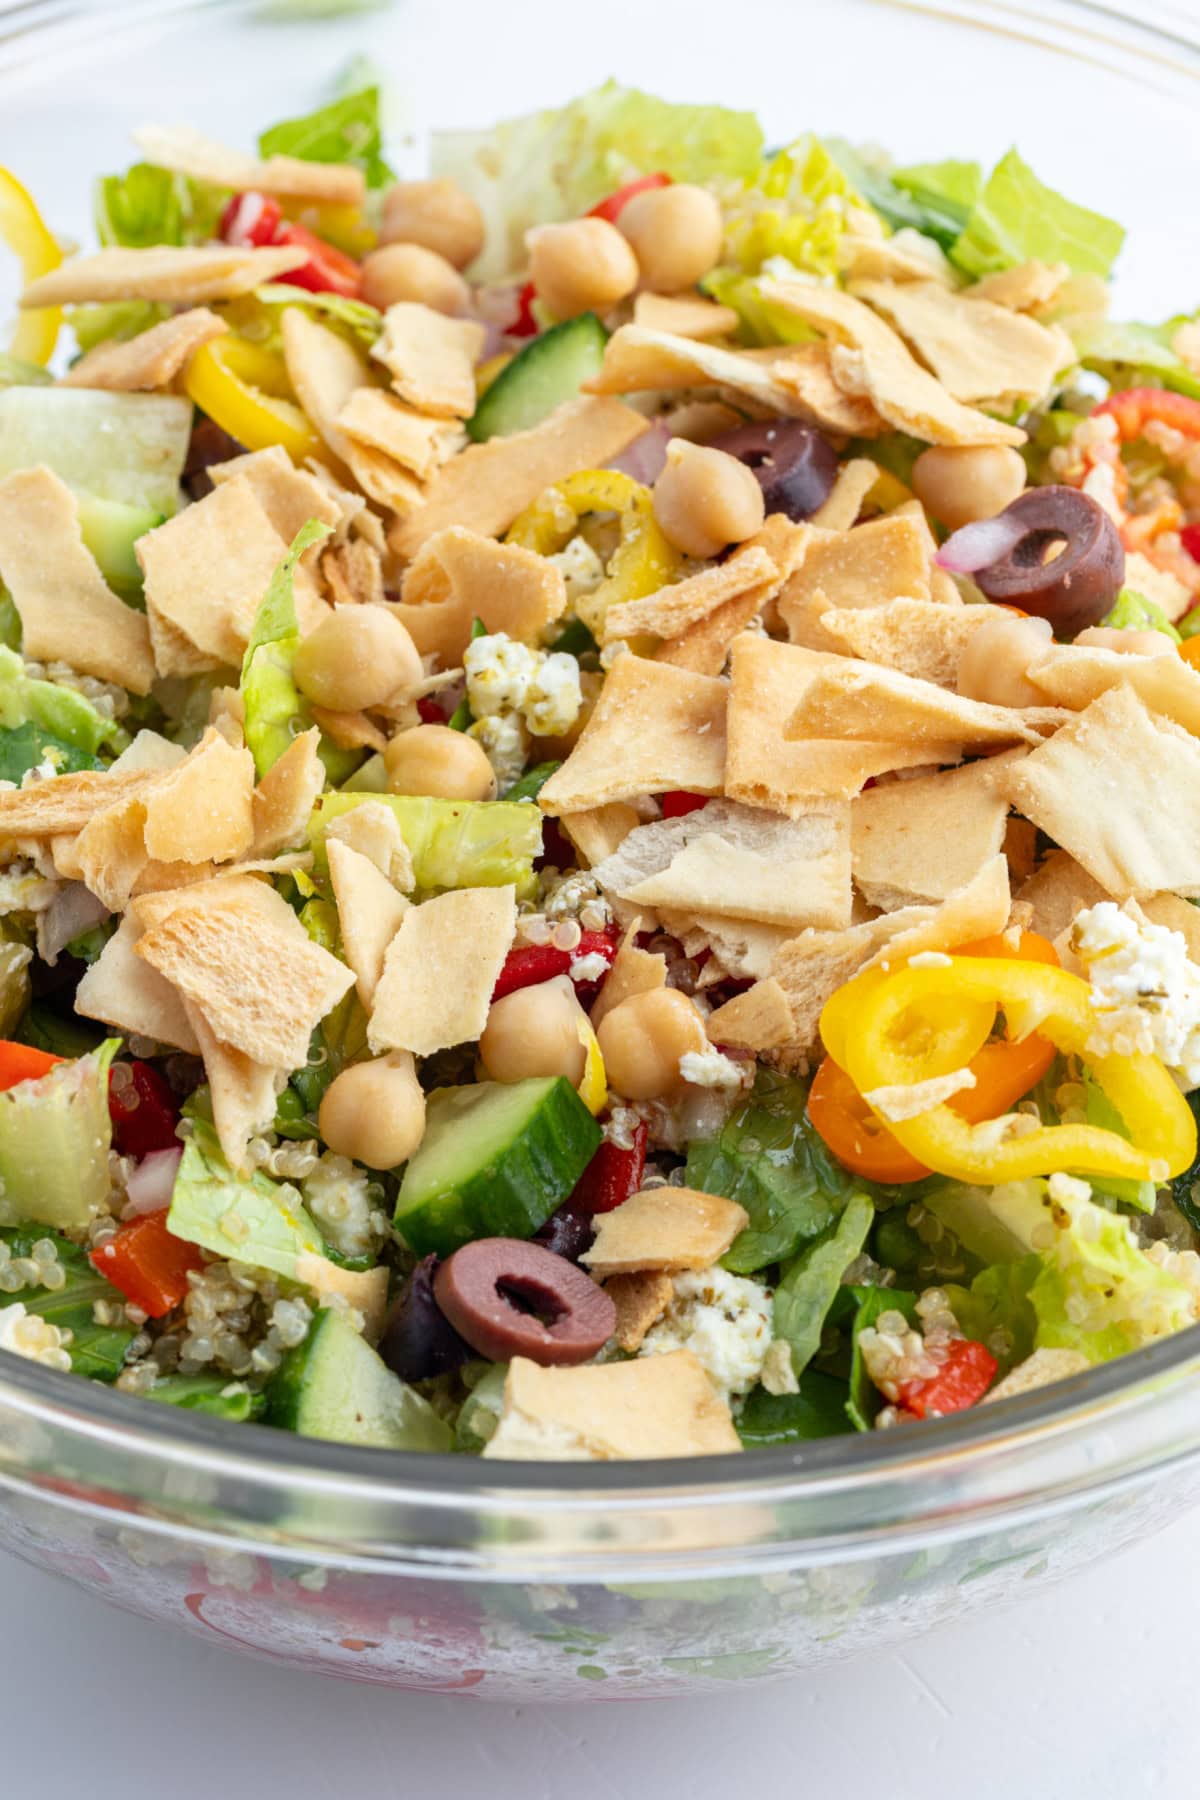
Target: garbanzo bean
[(961, 483), (1129, 643), (535, 1031), (374, 1112), (705, 499), (359, 656), (993, 665), (432, 759), (435, 214), (411, 272), (582, 266), (642, 1040), (675, 233)]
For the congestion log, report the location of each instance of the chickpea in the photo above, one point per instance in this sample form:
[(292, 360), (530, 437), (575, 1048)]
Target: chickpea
[(359, 656), (583, 266), (676, 234), (374, 1112), (705, 499), (411, 272), (535, 1031), (432, 759), (642, 1040), (435, 214), (961, 483), (1129, 643), (993, 665)]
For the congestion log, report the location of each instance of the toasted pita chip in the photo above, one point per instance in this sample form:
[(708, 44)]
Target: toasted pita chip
[(1119, 787), (759, 1019), (290, 497), (600, 830), (60, 807), (232, 887), (373, 830), (255, 975), (1074, 675), (128, 994), (110, 852), (430, 358), (841, 507), (737, 860), (150, 360), (666, 1228), (805, 372), (176, 276), (1177, 915), (353, 573), (671, 610), (977, 910), (867, 566), (638, 359), (704, 647), (68, 612), (640, 1300), (921, 840), (653, 728), (286, 795), (202, 810), (600, 1412), (739, 949), (903, 257), (414, 440), (684, 315), (370, 912), (243, 1092), (174, 653), (977, 350), (849, 699), (150, 750), (189, 152), (633, 972), (459, 576), (325, 370), (1057, 891), (1025, 288), (383, 480), (922, 638), (486, 486), (350, 731), (871, 361), (440, 970)]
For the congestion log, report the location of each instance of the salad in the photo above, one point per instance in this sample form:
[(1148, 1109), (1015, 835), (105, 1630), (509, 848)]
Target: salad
[(599, 787)]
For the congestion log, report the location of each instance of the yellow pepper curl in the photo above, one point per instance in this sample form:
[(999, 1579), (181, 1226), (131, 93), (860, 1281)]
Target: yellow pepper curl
[(643, 560), (25, 232)]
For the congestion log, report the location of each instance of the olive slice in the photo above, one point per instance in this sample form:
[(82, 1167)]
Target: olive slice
[(796, 467), (418, 1339), (1078, 586), (508, 1298)]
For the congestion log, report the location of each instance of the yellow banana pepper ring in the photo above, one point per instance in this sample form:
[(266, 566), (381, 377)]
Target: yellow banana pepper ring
[(28, 236), (946, 1037), (894, 1038), (243, 387), (642, 562)]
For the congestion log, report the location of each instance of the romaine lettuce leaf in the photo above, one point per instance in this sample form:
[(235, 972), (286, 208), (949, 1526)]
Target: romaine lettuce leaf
[(794, 206), (95, 1350), (810, 1284), (248, 1218), (1132, 611), (273, 703), (817, 1411), (60, 712), (998, 1301), (148, 205), (453, 843), (55, 1135), (25, 746), (934, 199), (1132, 355), (16, 372), (859, 1307), (127, 447), (348, 130), (215, 1395), (1017, 218), (357, 318), (98, 322)]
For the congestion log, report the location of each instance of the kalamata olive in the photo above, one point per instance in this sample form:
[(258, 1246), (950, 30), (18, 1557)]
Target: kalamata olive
[(418, 1339), (796, 467), (510, 1298), (1079, 584), (568, 1232)]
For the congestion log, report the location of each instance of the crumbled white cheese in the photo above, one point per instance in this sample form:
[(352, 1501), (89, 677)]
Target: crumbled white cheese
[(709, 1069), (724, 1320), (506, 678), (554, 695), (505, 743), (909, 1099), (592, 967), (582, 568), (1145, 989)]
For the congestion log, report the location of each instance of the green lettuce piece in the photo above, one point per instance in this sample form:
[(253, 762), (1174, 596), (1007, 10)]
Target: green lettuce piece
[(1132, 611), (1131, 354), (148, 205), (274, 704), (357, 318), (817, 1411), (810, 1284), (246, 1218), (935, 199), (770, 1160), (993, 1224), (554, 165), (95, 1350), (55, 1135), (347, 130), (453, 843), (215, 1395), (1017, 218), (126, 447), (28, 745), (16, 372), (998, 1301), (479, 1414), (794, 207), (859, 1307), (529, 785), (99, 322), (61, 713)]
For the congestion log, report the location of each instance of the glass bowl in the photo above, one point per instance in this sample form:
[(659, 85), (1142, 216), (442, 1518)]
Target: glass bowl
[(514, 1580)]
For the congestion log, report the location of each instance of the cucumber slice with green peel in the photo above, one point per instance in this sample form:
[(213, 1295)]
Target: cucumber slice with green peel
[(550, 369), (110, 529), (496, 1160), (335, 1386)]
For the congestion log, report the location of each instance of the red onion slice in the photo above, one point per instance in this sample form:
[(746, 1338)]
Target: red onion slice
[(152, 1183), (978, 545), (646, 457)]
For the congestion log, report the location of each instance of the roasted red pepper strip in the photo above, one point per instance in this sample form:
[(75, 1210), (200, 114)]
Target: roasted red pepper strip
[(148, 1264), (612, 1175), (1134, 408), (525, 325), (251, 219), (963, 1379), (1189, 537), (612, 207), (21, 1062), (429, 712), (257, 219), (678, 802), (143, 1110), (534, 963)]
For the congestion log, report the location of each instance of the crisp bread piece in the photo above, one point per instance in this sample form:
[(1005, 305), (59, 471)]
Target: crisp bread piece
[(640, 1300), (177, 276), (978, 350), (887, 559), (664, 1228), (759, 1019), (150, 360), (601, 1412), (459, 576), (671, 610), (440, 970), (370, 913), (430, 358), (857, 700), (922, 839), (633, 971), (284, 798), (128, 994), (1074, 675), (922, 638), (189, 152)]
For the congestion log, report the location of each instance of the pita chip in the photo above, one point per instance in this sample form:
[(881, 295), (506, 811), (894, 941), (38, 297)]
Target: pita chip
[(415, 440), (129, 995), (739, 949), (487, 485), (60, 807), (370, 913), (68, 612), (440, 970), (665, 1228), (704, 647), (684, 315), (243, 1091), (633, 972), (284, 798), (150, 750), (202, 810), (290, 497), (922, 638), (653, 728), (640, 360), (868, 566), (1119, 788), (603, 1412), (353, 573), (430, 358), (842, 505), (977, 349), (640, 1300), (189, 152), (806, 373), (1177, 915), (1025, 288), (922, 839), (905, 256), (759, 1019), (325, 370), (672, 610), (459, 576), (373, 830), (1058, 890), (174, 275), (600, 830), (850, 699), (152, 359), (1074, 675)]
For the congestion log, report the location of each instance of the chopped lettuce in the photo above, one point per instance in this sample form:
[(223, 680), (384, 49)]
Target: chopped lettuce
[(810, 1284), (453, 843), (27, 746), (273, 703), (59, 712), (1132, 355), (127, 447), (356, 318), (247, 1218), (859, 1307), (16, 372), (554, 165), (996, 1302), (15, 986), (101, 322), (934, 199), (55, 1136), (1017, 218), (817, 1411), (95, 1350), (794, 206), (348, 130), (215, 1395), (1132, 611)]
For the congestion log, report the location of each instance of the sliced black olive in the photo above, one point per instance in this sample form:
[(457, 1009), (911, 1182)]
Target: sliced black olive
[(1079, 584), (511, 1298), (418, 1339), (568, 1232), (796, 467)]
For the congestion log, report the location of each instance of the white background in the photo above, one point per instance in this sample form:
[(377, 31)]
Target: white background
[(1083, 1693)]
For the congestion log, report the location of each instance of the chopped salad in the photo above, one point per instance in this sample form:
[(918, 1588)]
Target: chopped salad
[(599, 787)]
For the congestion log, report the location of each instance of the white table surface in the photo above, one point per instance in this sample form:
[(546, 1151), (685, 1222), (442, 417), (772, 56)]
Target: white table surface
[(1082, 1693)]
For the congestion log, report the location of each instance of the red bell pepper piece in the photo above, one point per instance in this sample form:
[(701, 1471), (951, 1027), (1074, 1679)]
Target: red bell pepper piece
[(531, 964), (525, 325), (612, 208), (963, 1379), (1135, 408), (148, 1264), (251, 219), (1189, 537), (678, 802), (21, 1062), (612, 1175), (257, 219), (143, 1110), (429, 712)]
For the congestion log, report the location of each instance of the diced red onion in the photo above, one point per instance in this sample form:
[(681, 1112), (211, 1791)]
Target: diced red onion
[(152, 1183), (646, 457), (980, 544), (74, 910)]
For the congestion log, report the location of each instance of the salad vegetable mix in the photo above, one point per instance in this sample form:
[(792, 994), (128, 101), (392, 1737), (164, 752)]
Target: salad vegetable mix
[(599, 787)]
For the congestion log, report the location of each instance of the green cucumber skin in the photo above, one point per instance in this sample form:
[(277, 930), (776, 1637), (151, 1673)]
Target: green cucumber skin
[(550, 369), (334, 1386), (516, 1190)]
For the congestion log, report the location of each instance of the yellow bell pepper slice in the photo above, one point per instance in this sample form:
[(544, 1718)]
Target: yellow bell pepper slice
[(593, 1085), (888, 1044), (30, 238), (945, 1037), (643, 560), (243, 387)]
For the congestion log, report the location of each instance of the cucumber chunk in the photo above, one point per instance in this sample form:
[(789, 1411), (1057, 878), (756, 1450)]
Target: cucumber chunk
[(496, 1161), (110, 529), (550, 369), (335, 1386)]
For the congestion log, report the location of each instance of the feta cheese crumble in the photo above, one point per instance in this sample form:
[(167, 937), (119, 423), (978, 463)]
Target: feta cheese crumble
[(505, 676), (1145, 989), (709, 1069), (505, 743), (582, 567), (724, 1320)]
